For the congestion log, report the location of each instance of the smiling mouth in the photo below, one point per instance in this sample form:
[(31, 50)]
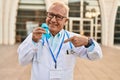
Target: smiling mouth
[(53, 24)]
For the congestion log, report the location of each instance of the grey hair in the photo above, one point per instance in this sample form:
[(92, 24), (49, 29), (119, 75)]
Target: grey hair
[(63, 5)]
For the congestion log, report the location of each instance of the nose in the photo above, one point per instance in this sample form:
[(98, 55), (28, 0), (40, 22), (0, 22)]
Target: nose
[(53, 19)]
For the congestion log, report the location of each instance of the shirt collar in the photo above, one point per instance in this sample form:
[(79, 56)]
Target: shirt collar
[(58, 35)]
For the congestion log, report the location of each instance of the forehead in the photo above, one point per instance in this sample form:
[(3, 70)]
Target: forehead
[(58, 9)]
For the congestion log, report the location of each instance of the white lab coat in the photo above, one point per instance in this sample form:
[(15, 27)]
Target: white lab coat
[(42, 62)]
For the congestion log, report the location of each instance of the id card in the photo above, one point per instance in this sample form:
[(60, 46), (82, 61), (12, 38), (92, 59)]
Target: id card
[(56, 74)]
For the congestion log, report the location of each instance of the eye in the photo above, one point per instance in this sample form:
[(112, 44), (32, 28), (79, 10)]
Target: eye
[(51, 14), (59, 16)]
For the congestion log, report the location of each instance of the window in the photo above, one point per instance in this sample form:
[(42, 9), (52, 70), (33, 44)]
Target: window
[(85, 18), (117, 28), (29, 11)]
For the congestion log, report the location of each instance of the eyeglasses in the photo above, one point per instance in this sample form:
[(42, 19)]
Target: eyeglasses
[(57, 16)]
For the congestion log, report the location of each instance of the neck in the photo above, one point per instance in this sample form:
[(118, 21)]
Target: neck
[(54, 33)]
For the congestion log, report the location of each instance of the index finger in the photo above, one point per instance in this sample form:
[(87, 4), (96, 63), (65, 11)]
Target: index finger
[(39, 28), (69, 39)]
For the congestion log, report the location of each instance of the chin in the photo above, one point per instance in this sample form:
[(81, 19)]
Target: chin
[(52, 29)]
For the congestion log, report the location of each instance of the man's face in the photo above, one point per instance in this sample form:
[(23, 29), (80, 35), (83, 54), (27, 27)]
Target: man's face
[(56, 19)]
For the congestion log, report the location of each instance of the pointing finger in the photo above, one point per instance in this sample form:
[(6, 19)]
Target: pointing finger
[(69, 39)]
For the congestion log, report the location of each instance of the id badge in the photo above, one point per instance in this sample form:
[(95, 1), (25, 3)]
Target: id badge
[(56, 74)]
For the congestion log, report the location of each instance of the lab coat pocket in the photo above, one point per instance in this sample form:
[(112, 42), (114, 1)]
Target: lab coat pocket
[(69, 60), (35, 58)]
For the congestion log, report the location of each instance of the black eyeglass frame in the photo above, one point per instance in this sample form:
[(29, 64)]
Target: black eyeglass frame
[(57, 16)]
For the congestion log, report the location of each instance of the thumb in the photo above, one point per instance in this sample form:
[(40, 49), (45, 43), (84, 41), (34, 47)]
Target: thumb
[(67, 40)]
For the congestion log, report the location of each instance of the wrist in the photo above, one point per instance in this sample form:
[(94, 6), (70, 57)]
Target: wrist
[(90, 42), (34, 39)]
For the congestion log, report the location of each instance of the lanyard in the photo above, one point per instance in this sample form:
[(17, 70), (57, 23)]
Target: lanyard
[(51, 52), (68, 38)]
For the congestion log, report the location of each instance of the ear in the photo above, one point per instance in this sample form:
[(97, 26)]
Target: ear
[(66, 20)]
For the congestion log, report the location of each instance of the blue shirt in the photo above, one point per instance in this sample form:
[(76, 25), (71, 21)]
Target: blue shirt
[(54, 40)]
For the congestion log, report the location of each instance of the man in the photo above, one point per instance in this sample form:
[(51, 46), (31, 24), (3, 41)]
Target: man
[(53, 57)]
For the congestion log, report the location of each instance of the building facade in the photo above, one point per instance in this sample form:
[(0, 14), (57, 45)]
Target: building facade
[(13, 19)]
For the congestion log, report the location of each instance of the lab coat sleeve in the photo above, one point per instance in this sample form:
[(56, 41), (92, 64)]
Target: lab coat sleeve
[(94, 54), (26, 51)]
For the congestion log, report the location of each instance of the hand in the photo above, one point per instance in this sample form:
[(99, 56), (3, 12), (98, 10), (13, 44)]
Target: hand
[(78, 40), (37, 34)]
